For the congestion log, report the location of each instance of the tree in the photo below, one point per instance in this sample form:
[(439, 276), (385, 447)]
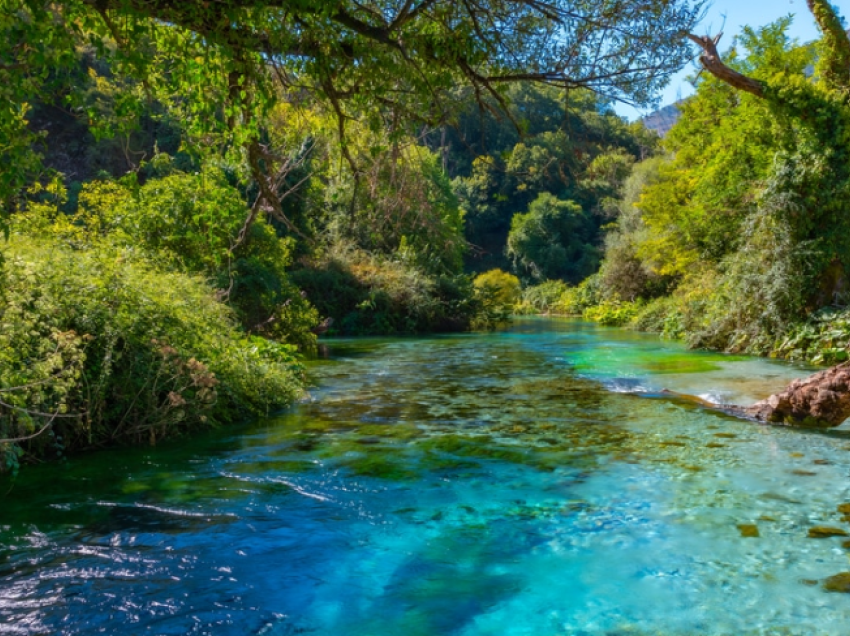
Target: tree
[(572, 146), (551, 240), (219, 64), (809, 189)]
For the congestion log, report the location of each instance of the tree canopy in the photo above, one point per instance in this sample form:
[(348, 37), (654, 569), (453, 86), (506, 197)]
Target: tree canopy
[(218, 65)]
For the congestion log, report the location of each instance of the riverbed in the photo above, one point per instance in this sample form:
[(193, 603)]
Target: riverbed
[(534, 481)]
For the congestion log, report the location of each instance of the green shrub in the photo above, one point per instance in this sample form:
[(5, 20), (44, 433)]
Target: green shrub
[(368, 293), (612, 313), (135, 353), (662, 316), (190, 223), (541, 298), (575, 300), (823, 339), (498, 293)]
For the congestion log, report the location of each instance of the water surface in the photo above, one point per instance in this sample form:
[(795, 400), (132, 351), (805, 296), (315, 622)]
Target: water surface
[(528, 482)]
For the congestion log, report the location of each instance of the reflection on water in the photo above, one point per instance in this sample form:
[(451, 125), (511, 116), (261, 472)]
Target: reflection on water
[(513, 484)]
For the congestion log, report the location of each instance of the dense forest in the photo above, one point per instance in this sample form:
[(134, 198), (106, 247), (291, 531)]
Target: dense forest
[(191, 193), (735, 236)]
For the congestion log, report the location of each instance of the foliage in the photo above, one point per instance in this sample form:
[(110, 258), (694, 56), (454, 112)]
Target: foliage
[(497, 292), (761, 291), (823, 339), (399, 202), (624, 274), (661, 315), (168, 165), (574, 149), (189, 223), (551, 240), (747, 222), (724, 146), (367, 293), (541, 298), (575, 300), (135, 353), (612, 313)]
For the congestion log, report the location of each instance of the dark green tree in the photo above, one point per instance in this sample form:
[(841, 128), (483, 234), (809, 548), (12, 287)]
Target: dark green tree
[(552, 241)]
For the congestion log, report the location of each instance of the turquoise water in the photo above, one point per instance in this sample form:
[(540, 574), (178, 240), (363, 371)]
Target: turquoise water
[(528, 482)]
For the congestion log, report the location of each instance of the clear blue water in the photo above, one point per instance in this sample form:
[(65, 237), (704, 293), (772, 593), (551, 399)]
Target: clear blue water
[(471, 485)]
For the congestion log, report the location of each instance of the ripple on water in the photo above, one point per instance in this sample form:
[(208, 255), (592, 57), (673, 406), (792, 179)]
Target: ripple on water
[(510, 484)]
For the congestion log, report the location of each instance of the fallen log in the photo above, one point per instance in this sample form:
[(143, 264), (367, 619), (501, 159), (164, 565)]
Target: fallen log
[(821, 400)]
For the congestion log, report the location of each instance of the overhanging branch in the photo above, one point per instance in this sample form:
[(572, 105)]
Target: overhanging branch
[(710, 59)]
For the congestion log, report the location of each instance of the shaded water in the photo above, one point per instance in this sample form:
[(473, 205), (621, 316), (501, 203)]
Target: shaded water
[(472, 485)]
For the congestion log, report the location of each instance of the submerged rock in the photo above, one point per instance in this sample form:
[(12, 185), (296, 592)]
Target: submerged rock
[(823, 532), (748, 530), (838, 583)]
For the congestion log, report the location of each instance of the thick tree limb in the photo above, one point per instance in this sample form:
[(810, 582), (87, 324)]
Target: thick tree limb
[(513, 38), (710, 59)]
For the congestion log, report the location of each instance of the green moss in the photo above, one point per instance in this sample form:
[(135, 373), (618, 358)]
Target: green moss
[(435, 463), (685, 364), (394, 431), (376, 465), (481, 447)]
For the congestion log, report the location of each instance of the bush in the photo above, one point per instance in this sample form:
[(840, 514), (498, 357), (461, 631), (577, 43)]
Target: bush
[(662, 316), (575, 300), (136, 353), (373, 294), (542, 298), (497, 293), (501, 287), (823, 339), (612, 313), (189, 223)]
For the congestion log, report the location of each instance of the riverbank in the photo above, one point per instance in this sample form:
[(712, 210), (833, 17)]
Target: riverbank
[(821, 339), (520, 481)]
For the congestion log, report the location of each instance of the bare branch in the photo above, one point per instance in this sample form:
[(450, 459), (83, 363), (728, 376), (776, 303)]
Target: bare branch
[(710, 59), (25, 438)]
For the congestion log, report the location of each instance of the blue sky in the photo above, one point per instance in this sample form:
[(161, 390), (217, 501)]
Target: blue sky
[(729, 16)]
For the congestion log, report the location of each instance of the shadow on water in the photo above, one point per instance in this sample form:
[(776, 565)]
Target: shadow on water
[(444, 587)]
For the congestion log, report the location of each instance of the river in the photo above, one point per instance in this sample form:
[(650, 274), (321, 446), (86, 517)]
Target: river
[(531, 482)]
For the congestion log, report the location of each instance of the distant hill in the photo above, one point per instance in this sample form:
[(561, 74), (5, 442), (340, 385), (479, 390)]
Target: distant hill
[(661, 121)]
